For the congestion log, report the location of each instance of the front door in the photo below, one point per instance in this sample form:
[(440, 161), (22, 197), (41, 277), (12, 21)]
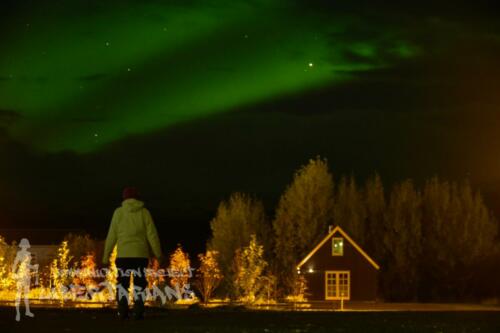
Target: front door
[(337, 285)]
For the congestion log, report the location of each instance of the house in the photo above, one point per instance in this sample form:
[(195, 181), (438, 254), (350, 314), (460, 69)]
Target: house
[(43, 254), (43, 242), (338, 268)]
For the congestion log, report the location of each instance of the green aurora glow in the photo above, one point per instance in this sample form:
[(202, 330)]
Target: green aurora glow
[(79, 82)]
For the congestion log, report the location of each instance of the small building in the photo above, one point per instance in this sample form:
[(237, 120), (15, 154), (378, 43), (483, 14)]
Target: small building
[(338, 268), (43, 242), (43, 254)]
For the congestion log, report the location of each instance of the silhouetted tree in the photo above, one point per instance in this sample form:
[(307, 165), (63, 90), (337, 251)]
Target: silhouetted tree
[(431, 244), (458, 232), (375, 203), (302, 217), (236, 220), (349, 210), (402, 241)]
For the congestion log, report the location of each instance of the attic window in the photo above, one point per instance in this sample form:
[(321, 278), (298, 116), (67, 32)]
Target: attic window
[(337, 246)]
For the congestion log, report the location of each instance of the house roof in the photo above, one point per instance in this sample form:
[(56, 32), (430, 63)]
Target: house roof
[(349, 239)]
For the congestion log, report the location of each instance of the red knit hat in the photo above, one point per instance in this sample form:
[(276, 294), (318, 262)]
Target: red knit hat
[(130, 193)]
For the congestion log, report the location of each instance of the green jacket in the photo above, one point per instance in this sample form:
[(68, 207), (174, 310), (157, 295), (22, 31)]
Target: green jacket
[(133, 231)]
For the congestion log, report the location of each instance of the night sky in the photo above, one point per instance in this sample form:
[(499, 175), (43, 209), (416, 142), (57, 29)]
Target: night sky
[(193, 100)]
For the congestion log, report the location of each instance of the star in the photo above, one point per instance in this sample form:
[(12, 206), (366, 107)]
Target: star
[(107, 44), (311, 64)]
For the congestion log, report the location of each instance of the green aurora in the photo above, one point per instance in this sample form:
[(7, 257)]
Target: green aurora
[(79, 82)]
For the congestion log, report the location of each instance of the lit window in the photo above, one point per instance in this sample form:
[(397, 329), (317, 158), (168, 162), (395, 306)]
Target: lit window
[(337, 285), (337, 246)]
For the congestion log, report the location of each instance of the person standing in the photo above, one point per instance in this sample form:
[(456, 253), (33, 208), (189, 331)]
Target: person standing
[(133, 231)]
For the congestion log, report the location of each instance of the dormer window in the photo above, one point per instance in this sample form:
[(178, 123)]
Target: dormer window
[(337, 246)]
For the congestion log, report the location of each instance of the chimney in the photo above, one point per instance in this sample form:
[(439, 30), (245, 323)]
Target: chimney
[(330, 228)]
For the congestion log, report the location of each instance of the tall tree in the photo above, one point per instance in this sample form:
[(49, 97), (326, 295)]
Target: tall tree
[(458, 232), (437, 208), (236, 220), (349, 209), (402, 241), (375, 203), (302, 217)]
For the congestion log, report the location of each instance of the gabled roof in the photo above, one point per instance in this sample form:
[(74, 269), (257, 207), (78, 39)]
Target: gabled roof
[(349, 239)]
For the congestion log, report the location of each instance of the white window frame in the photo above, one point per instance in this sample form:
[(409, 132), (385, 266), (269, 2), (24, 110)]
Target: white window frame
[(337, 286), (342, 247)]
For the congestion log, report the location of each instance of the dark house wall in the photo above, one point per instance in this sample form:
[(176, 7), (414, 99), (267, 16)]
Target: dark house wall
[(363, 273)]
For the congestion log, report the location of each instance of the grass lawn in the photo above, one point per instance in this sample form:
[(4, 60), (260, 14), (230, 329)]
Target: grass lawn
[(104, 320)]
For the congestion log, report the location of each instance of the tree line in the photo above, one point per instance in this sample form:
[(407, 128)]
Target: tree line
[(433, 242)]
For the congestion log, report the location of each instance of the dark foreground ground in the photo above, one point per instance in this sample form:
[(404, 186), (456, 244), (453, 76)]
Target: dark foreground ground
[(218, 320)]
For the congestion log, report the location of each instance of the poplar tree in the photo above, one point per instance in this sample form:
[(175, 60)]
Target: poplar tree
[(236, 220), (349, 210), (458, 232), (402, 241), (302, 218), (375, 203)]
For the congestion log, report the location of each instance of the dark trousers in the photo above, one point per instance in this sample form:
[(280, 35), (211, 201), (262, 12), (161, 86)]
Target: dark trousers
[(127, 267)]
